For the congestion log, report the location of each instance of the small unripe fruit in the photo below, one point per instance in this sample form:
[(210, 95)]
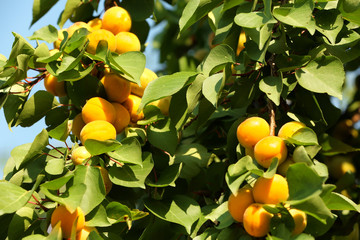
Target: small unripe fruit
[(257, 220), (300, 220), (289, 128), (79, 155), (268, 148), (98, 108), (238, 204), (98, 130), (252, 130), (67, 220), (271, 190)]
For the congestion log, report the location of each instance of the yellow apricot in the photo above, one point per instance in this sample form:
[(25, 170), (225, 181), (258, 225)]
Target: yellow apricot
[(116, 19), (75, 26), (132, 105), (99, 130), (79, 155), (271, 190), (300, 220), (127, 42), (339, 165), (257, 220), (101, 35), (106, 179), (77, 124), (67, 219), (146, 77), (268, 148), (164, 105), (252, 130), (97, 108), (116, 87), (95, 24), (60, 38), (289, 128), (241, 43), (283, 167), (238, 204), (53, 86), (122, 119), (84, 233)]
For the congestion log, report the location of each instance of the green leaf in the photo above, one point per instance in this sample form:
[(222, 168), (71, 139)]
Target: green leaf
[(128, 152), (55, 166), (19, 47), (167, 177), (287, 63), (20, 222), (164, 86), (324, 74), (40, 8), (48, 33), (260, 35), (272, 87), (57, 183), (163, 135), (304, 183), (138, 14), (61, 132), (304, 136), (337, 201), (332, 146), (96, 147), (217, 58), (220, 214), (14, 199), (132, 176), (97, 217), (181, 209), (238, 172), (350, 10), (70, 7), (212, 87), (118, 212), (194, 11), (329, 23)]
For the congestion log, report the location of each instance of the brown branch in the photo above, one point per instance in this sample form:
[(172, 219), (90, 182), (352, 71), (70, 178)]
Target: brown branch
[(272, 117)]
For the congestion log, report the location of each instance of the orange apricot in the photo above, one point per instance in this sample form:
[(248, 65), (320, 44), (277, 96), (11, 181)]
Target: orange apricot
[(289, 128), (75, 26), (127, 42), (99, 130), (105, 176), (271, 190), (146, 77), (252, 130), (241, 43), (84, 233), (122, 119), (237, 204), (116, 87), (79, 155), (116, 19), (268, 148), (257, 220), (97, 108), (132, 105), (53, 86), (300, 220), (95, 24), (61, 213), (77, 124), (101, 35)]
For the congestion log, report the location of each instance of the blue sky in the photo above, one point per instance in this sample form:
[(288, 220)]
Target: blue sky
[(16, 16)]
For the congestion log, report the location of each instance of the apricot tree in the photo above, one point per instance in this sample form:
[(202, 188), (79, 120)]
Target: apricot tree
[(196, 150)]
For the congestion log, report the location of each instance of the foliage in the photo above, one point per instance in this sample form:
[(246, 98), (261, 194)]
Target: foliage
[(173, 174)]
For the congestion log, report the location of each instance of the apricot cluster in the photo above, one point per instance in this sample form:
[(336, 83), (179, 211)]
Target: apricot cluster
[(247, 206)]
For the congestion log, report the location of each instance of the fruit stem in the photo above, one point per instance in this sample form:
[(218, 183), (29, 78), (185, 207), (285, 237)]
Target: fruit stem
[(56, 149), (272, 117), (40, 205), (115, 161)]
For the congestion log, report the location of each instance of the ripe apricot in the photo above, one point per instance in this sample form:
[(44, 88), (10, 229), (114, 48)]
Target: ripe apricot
[(122, 119), (75, 26), (79, 155), (116, 19), (268, 148), (61, 213), (238, 204), (53, 86), (116, 87), (271, 190), (77, 124), (101, 35), (257, 220), (146, 77), (132, 105), (99, 130), (106, 179), (300, 220), (95, 24), (60, 38), (127, 42), (97, 108), (339, 165), (252, 130), (289, 128), (84, 233), (241, 43)]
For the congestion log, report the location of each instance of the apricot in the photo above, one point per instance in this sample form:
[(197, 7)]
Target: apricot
[(60, 38), (257, 220), (97, 108), (77, 124), (101, 35), (84, 233), (116, 19), (339, 165), (164, 105), (61, 213), (146, 77), (252, 130), (300, 220), (53, 86), (271, 190), (116, 87), (75, 26), (79, 155), (132, 105), (95, 24), (99, 130), (122, 119), (238, 204), (289, 128), (105, 176), (241, 43), (268, 148), (127, 42), (283, 167)]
